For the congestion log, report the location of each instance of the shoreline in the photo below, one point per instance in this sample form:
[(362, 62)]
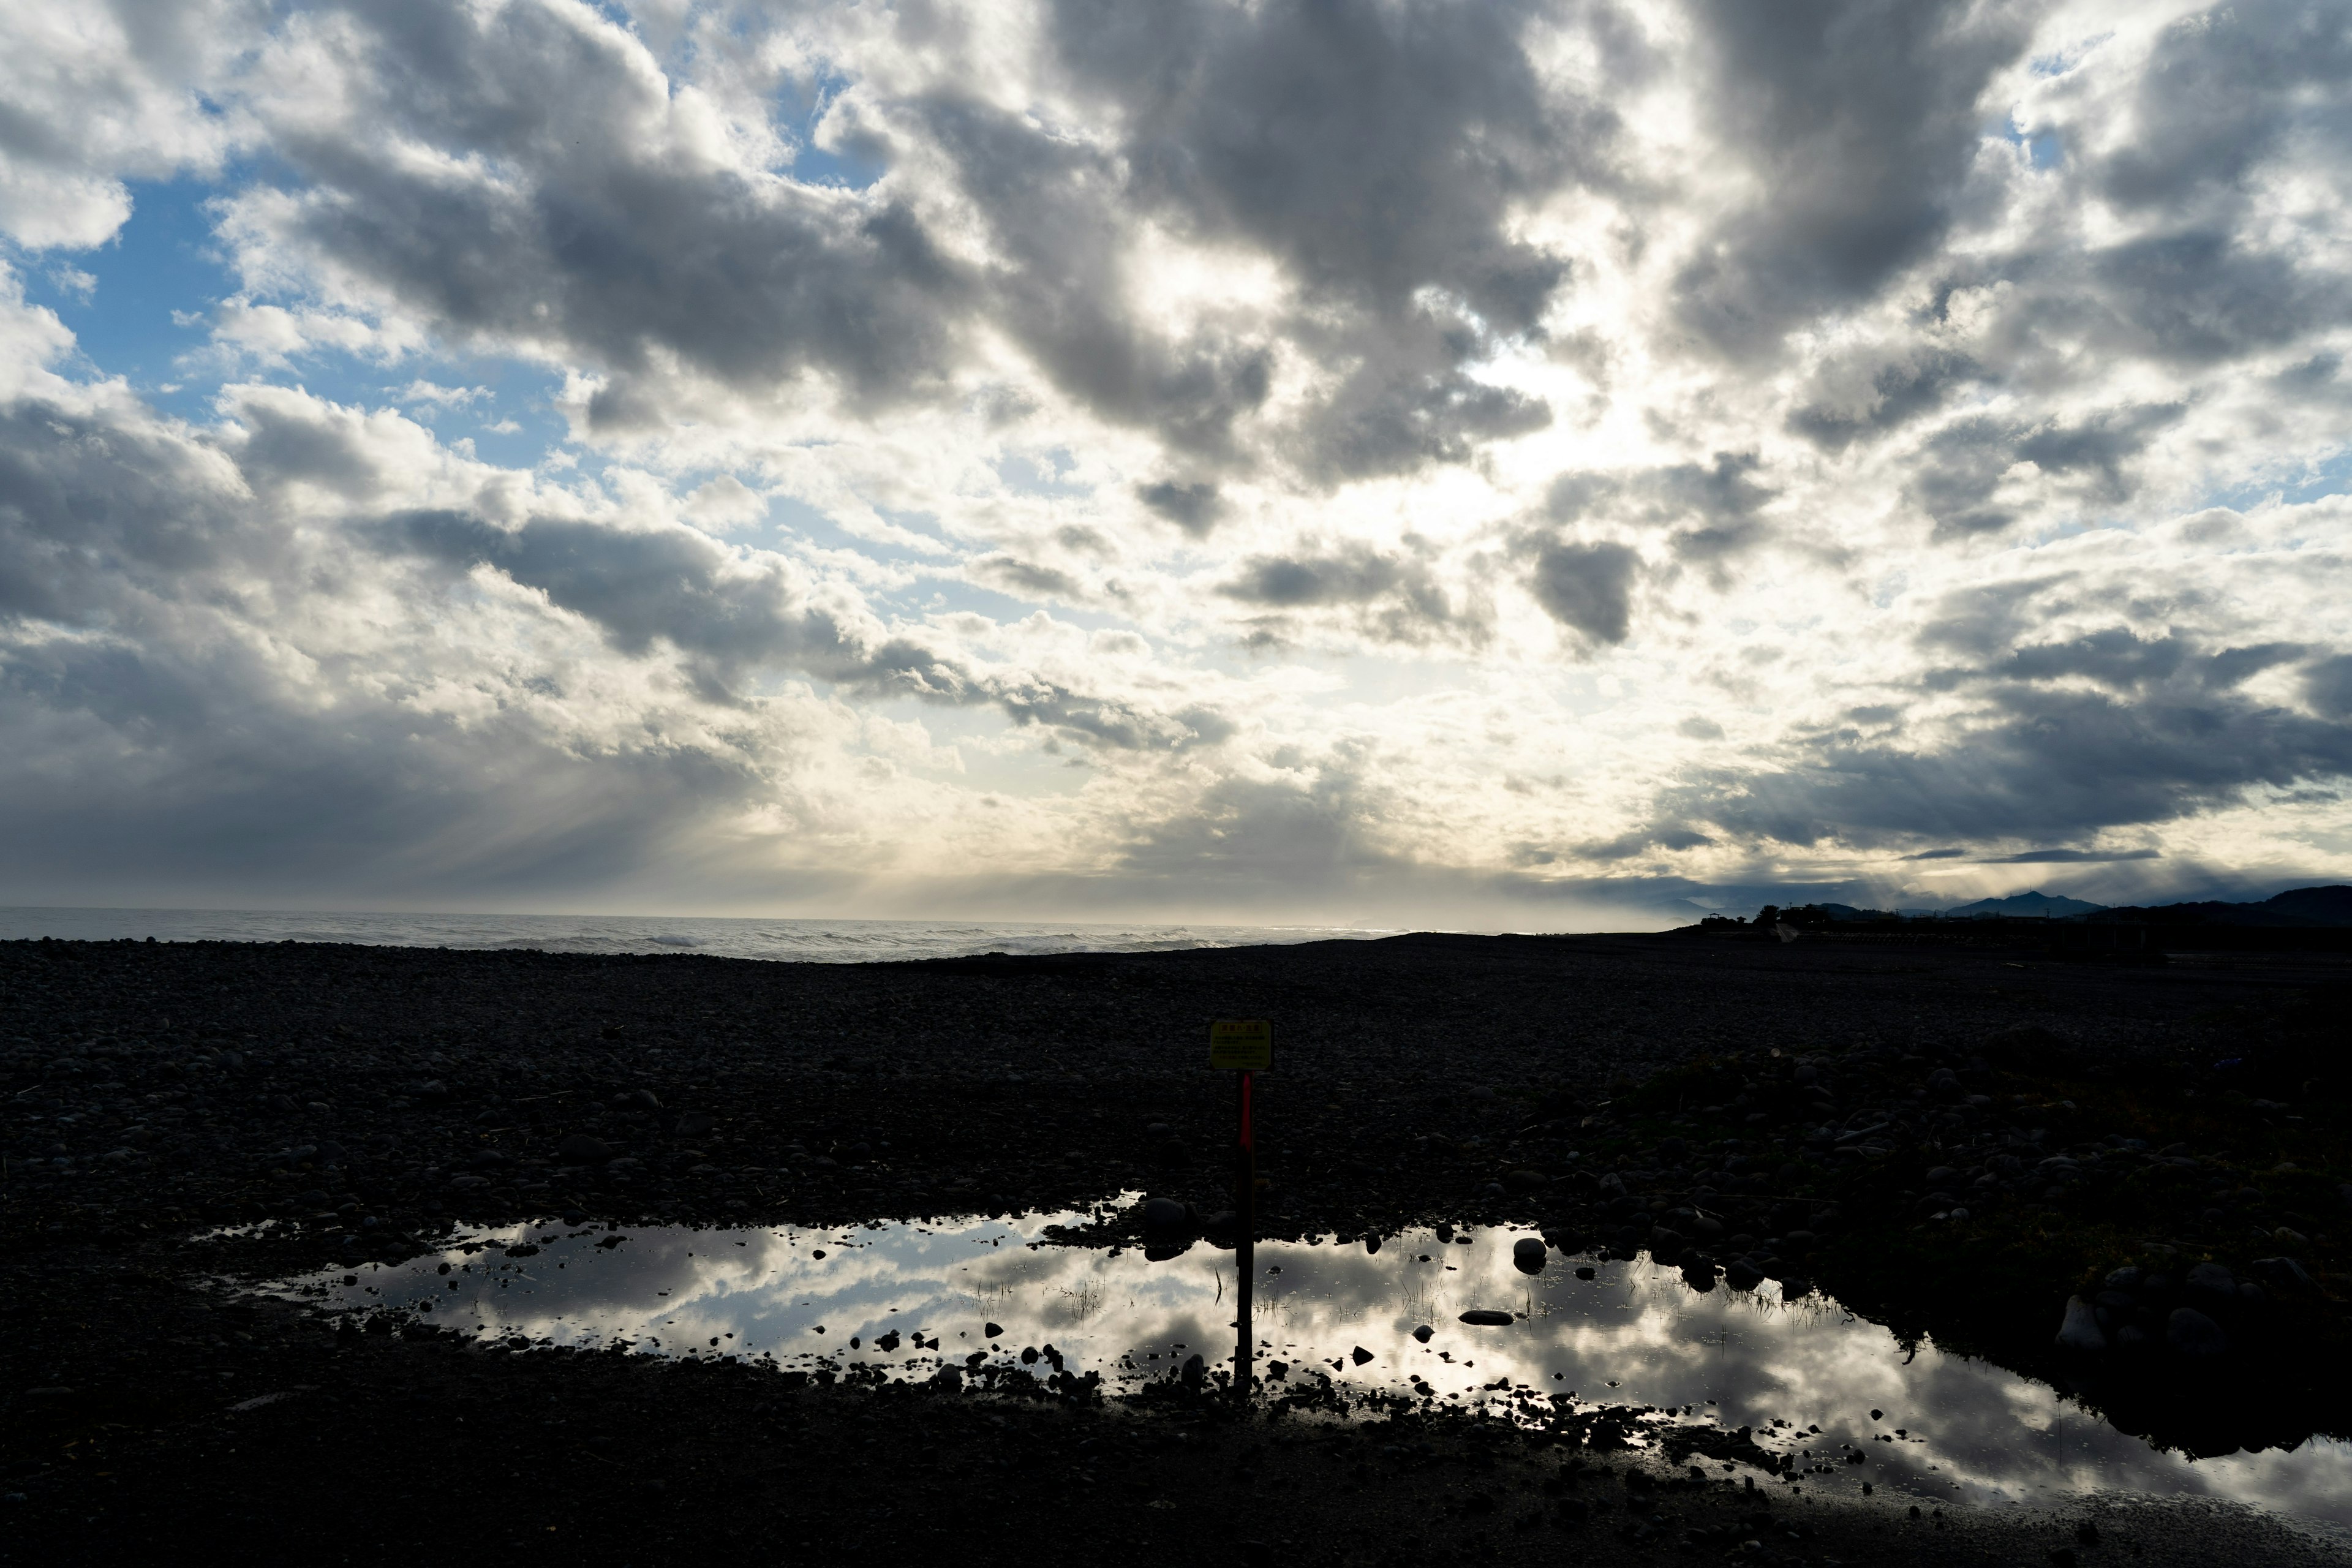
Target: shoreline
[(779, 939)]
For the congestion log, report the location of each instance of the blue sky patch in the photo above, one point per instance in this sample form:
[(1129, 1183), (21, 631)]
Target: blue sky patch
[(158, 280)]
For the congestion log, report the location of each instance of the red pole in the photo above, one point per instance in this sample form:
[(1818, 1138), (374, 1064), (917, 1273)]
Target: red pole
[(1244, 1254)]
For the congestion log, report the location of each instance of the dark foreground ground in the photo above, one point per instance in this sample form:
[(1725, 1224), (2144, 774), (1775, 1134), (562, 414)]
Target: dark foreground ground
[(1805, 1111)]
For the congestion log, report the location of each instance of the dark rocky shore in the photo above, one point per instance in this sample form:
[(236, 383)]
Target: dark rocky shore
[(1955, 1138)]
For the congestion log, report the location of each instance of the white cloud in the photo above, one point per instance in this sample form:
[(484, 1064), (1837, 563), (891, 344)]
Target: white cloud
[(432, 394), (107, 90), (1316, 460)]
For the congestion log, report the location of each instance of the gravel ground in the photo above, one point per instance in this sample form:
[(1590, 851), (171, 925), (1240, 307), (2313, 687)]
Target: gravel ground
[(154, 1092)]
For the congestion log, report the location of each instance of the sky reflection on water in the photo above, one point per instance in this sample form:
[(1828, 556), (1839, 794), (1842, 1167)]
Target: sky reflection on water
[(1961, 1429)]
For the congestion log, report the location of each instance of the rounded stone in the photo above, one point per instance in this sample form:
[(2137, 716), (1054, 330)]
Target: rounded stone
[(2191, 1333)]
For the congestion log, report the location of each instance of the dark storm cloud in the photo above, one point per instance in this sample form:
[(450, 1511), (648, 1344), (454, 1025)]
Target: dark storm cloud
[(1861, 120), (1958, 468), (130, 767), (1710, 513), (2234, 665), (1109, 722), (2187, 297), (1587, 587), (1721, 499), (2039, 762), (2115, 656), (148, 735), (2314, 376), (1289, 582), (1957, 472), (2098, 447), (564, 214), (91, 514), (1863, 187), (1055, 216), (1376, 151), (2070, 857), (2229, 99), (1270, 842), (1376, 148), (1983, 621), (1394, 597), (728, 617), (1899, 390), (1640, 841), (2196, 297), (1194, 508), (2327, 684), (1027, 577), (1714, 508), (1410, 406), (1268, 834), (675, 585), (2224, 90)]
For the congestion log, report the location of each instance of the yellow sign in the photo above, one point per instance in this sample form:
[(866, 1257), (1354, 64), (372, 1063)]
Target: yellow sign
[(1246, 1043)]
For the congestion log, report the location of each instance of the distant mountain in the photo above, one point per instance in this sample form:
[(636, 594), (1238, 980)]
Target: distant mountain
[(1680, 908), (2300, 906), (2328, 906), (2022, 905)]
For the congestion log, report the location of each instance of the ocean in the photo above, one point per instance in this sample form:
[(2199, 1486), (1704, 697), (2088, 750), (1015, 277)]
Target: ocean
[(794, 941)]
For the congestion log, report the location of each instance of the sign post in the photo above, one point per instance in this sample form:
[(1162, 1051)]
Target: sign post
[(1245, 1047)]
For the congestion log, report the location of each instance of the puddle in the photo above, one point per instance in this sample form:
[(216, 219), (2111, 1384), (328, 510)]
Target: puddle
[(1805, 1376)]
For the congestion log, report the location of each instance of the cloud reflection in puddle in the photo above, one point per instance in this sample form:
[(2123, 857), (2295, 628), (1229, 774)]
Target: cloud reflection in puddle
[(1957, 1428)]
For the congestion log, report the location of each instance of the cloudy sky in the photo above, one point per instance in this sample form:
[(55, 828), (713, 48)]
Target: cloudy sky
[(1395, 461)]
